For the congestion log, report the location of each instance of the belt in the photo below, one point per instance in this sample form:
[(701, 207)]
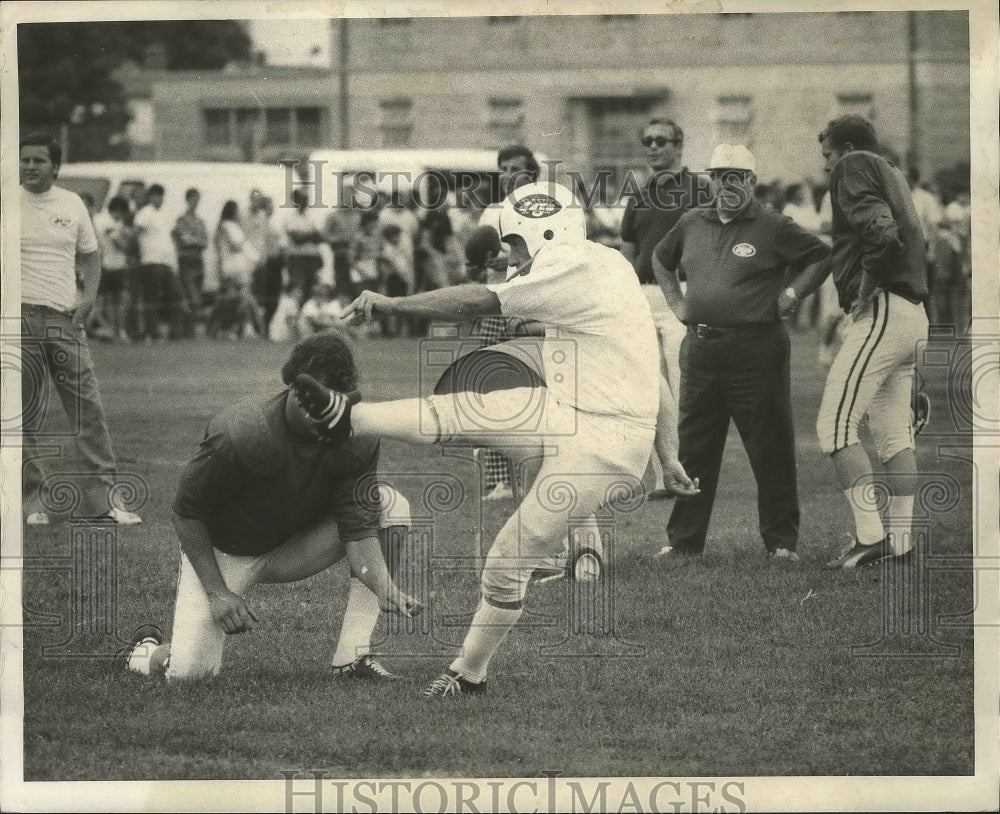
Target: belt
[(703, 331)]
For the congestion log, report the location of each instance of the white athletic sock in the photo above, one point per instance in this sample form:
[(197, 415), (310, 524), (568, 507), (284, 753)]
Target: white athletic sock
[(867, 522), (900, 522), (360, 618), (489, 627)]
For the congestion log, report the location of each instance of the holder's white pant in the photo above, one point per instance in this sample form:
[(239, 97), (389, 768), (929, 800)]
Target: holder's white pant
[(197, 640)]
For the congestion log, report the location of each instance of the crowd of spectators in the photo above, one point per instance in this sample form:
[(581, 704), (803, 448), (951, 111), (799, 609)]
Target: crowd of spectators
[(286, 272), (282, 272)]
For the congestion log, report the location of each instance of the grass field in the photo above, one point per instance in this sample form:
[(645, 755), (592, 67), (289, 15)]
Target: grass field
[(730, 665)]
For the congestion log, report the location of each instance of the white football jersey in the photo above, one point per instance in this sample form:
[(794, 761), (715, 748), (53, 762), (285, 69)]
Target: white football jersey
[(600, 350)]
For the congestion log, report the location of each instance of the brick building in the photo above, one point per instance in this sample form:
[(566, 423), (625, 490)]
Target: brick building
[(577, 88)]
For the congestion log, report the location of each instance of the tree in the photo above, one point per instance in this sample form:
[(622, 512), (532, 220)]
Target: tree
[(66, 72)]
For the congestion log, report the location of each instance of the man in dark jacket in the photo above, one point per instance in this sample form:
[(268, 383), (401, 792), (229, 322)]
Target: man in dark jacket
[(880, 269)]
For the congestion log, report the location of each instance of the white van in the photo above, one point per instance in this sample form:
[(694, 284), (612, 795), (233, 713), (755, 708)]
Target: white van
[(403, 170), (217, 183)]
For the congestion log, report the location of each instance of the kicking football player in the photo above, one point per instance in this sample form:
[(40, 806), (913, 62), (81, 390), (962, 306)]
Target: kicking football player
[(595, 430), (269, 499), (880, 270)]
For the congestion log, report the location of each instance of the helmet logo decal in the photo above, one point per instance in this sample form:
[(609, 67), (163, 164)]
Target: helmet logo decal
[(537, 206)]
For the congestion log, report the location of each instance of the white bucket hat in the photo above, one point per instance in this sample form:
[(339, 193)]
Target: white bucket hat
[(732, 157)]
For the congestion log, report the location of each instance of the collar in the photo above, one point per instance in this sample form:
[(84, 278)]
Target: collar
[(666, 176), (751, 212)]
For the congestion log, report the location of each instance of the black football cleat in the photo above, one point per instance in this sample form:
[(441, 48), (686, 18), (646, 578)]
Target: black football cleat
[(451, 683), (329, 408), (367, 667)]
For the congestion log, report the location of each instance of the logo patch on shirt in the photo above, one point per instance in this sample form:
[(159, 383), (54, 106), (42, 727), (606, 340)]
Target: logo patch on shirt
[(744, 250), (537, 206), (58, 220)]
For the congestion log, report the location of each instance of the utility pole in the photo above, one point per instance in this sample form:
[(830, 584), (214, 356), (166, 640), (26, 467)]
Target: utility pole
[(343, 70), (913, 153)]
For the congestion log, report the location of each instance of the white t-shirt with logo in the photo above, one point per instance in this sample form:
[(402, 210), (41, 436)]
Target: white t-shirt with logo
[(600, 350), (55, 226), (156, 245)]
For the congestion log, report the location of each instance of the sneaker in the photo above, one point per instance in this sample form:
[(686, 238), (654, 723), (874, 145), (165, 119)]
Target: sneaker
[(135, 657), (857, 555), (37, 519), (451, 683), (783, 554), (367, 667), (587, 566), (328, 407), (921, 412), (501, 491)]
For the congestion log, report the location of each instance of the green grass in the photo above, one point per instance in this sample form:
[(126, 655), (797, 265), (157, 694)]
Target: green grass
[(726, 666)]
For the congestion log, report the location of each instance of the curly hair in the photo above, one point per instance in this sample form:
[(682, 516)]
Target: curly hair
[(851, 129), (326, 357)]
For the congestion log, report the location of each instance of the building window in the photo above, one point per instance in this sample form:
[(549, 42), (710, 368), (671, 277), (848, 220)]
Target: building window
[(248, 127), (397, 125), (856, 104), (217, 128), (501, 20), (733, 116), (309, 126), (278, 126), (506, 119)]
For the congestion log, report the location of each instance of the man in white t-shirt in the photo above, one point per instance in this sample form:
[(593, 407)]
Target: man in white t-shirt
[(57, 237), (588, 433), (162, 309)]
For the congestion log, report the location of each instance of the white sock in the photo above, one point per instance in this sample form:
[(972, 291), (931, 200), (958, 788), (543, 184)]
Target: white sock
[(489, 627), (867, 522), (900, 522), (360, 618)]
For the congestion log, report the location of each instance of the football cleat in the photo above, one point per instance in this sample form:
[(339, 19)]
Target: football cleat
[(329, 408), (785, 554), (857, 555), (367, 667), (921, 412), (116, 516), (541, 575), (135, 657), (451, 683)]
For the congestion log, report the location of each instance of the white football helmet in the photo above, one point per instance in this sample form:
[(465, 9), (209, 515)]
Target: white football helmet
[(542, 213)]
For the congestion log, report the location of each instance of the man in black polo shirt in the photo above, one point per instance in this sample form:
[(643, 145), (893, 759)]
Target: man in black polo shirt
[(266, 500), (670, 192), (735, 356)]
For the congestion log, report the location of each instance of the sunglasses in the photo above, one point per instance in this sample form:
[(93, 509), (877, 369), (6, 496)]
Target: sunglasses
[(659, 141)]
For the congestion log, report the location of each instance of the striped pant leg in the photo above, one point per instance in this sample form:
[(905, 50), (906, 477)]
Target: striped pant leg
[(878, 354)]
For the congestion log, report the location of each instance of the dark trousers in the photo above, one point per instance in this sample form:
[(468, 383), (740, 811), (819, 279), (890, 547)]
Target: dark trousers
[(162, 303), (270, 286), (743, 375)]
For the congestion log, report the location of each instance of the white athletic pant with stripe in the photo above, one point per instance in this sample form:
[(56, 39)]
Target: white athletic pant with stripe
[(197, 640), (873, 376)]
